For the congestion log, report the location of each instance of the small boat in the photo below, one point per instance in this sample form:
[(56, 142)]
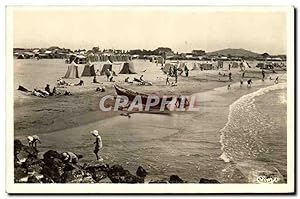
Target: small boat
[(144, 97)]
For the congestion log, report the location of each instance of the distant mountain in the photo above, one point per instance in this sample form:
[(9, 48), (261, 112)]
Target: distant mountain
[(234, 52)]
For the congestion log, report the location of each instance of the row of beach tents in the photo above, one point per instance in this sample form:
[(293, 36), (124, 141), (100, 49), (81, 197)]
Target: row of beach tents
[(89, 69)]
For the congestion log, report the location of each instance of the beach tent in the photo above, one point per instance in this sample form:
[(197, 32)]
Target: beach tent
[(106, 67), (206, 66), (160, 60), (88, 71), (195, 67), (128, 68), (181, 66), (167, 68), (235, 65), (220, 64), (72, 71)]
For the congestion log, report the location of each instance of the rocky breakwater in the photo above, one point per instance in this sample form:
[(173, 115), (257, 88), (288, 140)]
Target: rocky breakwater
[(51, 168)]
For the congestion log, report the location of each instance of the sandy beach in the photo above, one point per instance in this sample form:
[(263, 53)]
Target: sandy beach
[(192, 139)]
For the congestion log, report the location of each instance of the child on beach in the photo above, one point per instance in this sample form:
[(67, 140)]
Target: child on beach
[(71, 157), (276, 80), (98, 144), (241, 82), (230, 76), (32, 140), (249, 83), (228, 87)]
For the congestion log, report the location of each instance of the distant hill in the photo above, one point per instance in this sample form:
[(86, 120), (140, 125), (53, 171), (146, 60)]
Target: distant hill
[(234, 52)]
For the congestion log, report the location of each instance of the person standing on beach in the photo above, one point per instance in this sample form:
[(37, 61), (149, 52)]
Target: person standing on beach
[(263, 75), (276, 80), (167, 80), (98, 144), (230, 76)]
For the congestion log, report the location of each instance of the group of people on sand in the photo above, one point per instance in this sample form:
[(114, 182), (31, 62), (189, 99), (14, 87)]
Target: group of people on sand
[(68, 156), (44, 93)]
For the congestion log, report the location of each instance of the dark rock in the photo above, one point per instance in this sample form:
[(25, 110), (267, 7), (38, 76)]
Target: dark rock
[(35, 168), (74, 176), (19, 173), (46, 179), (175, 179), (51, 155), (141, 172), (129, 178), (33, 164), (99, 175), (33, 179), (117, 170), (71, 166), (209, 181), (117, 174), (88, 179), (96, 167), (18, 146), (53, 169), (31, 151), (22, 152), (105, 180)]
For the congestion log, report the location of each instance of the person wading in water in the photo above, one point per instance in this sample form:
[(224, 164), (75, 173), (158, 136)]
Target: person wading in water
[(98, 144)]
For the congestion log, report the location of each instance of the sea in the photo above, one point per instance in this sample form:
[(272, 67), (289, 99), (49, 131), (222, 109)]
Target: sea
[(254, 140)]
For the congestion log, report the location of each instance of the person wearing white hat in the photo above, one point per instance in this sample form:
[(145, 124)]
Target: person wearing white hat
[(70, 157), (98, 144), (32, 140)]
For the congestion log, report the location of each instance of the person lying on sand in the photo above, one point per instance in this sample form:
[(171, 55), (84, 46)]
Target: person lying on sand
[(127, 80), (21, 88), (81, 83), (38, 94), (67, 93), (173, 84), (98, 144), (126, 114), (43, 92), (100, 89), (70, 157), (33, 140)]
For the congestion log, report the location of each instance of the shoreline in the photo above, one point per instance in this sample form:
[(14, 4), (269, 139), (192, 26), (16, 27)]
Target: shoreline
[(46, 115)]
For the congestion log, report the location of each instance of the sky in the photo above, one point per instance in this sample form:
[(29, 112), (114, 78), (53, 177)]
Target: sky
[(180, 28)]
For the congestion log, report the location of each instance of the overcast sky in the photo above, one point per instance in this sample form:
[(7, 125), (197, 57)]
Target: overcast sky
[(182, 29)]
